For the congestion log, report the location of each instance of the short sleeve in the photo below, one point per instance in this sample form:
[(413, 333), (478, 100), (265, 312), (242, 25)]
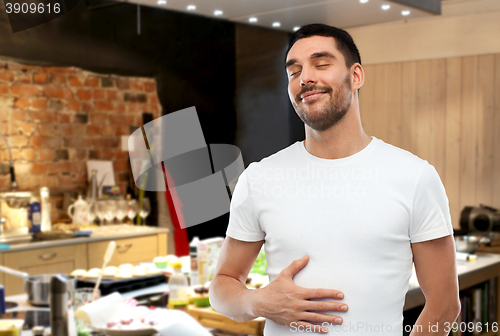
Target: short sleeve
[(430, 213), (243, 222)]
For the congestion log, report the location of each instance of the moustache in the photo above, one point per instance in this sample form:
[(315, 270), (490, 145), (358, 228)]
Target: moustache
[(312, 88)]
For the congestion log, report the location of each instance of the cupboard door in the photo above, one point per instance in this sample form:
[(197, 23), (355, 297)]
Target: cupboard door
[(58, 259), (128, 251)]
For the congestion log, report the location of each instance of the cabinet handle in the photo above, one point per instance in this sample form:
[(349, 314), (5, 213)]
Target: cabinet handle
[(124, 247), (48, 256)]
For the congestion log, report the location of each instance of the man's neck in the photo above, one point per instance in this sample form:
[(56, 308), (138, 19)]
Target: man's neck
[(342, 140)]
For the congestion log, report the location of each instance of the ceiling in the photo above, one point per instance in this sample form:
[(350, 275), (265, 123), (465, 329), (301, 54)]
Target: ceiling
[(294, 13)]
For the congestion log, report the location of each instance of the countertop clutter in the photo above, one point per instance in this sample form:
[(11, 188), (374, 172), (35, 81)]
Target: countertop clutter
[(134, 244)]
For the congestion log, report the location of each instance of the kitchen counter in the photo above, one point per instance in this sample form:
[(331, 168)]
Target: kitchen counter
[(470, 273), (134, 245), (101, 233)]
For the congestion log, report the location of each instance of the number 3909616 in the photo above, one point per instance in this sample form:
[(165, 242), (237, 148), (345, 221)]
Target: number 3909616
[(32, 8)]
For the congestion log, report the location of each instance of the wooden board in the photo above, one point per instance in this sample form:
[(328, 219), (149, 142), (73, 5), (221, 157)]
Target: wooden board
[(453, 121), (208, 317), (446, 111)]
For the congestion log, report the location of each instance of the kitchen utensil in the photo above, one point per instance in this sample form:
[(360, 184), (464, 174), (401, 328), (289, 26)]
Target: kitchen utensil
[(482, 219), (107, 257), (80, 215), (469, 244), (58, 305), (13, 209), (111, 285), (82, 297), (124, 332), (37, 286), (93, 192)]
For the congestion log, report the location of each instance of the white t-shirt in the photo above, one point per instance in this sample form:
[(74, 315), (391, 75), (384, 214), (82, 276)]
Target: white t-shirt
[(355, 217)]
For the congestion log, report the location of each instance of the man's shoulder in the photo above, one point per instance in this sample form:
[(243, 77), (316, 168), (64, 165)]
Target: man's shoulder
[(279, 159), (391, 153)]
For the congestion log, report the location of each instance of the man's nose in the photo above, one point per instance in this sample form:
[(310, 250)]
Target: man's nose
[(307, 77)]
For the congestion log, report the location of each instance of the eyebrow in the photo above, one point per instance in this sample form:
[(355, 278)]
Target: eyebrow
[(313, 56)]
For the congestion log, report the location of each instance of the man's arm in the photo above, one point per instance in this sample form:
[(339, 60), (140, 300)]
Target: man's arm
[(281, 301), (435, 265), (228, 292)]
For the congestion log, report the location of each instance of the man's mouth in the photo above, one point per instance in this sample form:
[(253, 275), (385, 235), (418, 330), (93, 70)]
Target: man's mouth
[(311, 95)]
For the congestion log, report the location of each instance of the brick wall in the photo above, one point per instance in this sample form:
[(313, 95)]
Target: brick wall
[(55, 119)]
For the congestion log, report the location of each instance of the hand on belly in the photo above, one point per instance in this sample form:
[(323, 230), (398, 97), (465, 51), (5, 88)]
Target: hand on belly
[(289, 305)]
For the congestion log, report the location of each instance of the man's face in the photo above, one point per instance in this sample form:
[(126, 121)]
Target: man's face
[(318, 82)]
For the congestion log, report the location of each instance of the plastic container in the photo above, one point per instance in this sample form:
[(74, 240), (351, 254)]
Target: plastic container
[(208, 254), (178, 287), (193, 253), (35, 215), (11, 327)]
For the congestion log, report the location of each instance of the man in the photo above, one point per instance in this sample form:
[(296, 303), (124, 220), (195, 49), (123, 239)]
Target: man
[(343, 216)]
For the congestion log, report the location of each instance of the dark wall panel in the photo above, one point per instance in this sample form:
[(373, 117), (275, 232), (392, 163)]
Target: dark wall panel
[(266, 122)]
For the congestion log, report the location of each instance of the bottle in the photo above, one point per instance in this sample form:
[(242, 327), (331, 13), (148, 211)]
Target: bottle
[(193, 253), (93, 192), (178, 288), (46, 224), (2, 300), (35, 217)]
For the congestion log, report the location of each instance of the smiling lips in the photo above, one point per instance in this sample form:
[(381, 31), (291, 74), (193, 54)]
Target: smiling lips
[(311, 95)]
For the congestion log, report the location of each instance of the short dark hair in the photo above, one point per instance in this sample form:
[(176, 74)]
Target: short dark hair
[(345, 43)]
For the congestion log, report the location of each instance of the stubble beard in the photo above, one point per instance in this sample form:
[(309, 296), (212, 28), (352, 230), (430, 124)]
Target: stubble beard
[(330, 113)]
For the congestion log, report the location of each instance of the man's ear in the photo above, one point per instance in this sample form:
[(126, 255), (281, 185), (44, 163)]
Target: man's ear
[(357, 76)]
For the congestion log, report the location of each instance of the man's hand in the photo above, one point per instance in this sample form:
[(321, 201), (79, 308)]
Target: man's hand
[(283, 302)]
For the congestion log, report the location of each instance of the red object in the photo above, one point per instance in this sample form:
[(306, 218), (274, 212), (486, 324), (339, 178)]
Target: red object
[(181, 240)]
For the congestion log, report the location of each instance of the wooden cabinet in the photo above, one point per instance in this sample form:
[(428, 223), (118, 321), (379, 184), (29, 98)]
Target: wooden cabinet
[(78, 255), (58, 259), (131, 250)]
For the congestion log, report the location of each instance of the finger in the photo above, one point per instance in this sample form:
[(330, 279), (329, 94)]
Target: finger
[(325, 306), (322, 293), (320, 318), (295, 266), (310, 327)]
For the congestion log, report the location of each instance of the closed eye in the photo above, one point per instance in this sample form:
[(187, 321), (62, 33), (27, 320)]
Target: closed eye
[(322, 65), (293, 74)]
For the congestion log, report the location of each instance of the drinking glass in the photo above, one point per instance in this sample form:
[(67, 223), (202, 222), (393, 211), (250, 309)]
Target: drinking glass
[(82, 297), (121, 210), (92, 211), (110, 213), (101, 211), (145, 209), (132, 209)]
